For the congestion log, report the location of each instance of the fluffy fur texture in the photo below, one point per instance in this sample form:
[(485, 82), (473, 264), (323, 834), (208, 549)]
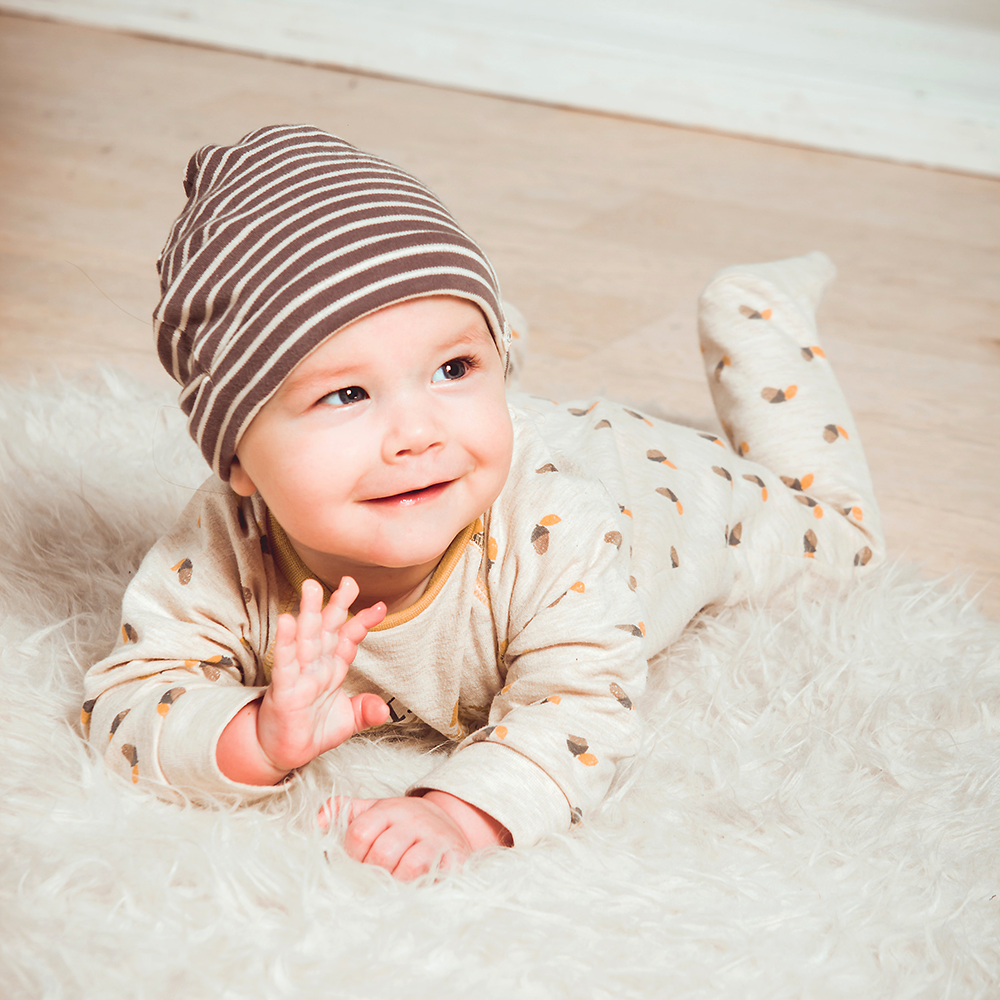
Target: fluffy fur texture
[(815, 813)]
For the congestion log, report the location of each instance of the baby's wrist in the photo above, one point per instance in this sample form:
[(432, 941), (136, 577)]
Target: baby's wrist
[(241, 756), (481, 830)]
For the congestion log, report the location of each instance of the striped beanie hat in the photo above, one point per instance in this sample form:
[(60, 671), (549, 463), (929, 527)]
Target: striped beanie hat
[(286, 238)]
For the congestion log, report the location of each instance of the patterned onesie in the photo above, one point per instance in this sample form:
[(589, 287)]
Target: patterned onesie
[(530, 645)]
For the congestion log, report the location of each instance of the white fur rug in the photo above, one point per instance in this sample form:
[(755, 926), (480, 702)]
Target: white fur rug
[(816, 813)]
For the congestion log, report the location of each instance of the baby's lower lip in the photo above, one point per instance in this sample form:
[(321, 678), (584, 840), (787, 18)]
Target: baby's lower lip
[(413, 497)]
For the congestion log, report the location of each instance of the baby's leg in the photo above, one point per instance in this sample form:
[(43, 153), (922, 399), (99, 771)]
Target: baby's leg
[(781, 406)]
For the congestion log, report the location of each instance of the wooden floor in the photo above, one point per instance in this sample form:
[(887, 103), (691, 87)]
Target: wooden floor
[(602, 230)]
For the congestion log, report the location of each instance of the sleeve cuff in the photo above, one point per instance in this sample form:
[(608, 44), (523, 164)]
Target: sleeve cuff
[(504, 784), (188, 740)]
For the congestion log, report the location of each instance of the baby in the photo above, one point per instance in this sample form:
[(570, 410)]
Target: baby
[(387, 538)]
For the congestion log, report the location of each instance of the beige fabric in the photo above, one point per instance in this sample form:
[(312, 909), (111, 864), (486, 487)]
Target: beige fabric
[(612, 531)]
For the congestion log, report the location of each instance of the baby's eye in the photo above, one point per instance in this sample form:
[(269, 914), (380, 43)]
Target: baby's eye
[(456, 368), (352, 394)]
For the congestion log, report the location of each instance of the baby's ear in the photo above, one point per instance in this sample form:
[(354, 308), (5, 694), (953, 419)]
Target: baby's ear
[(240, 481)]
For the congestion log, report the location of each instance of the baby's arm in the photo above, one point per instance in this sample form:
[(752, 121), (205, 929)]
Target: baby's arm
[(304, 712)]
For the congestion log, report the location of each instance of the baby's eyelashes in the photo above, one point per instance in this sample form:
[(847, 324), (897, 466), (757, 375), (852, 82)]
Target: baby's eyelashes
[(352, 394), (455, 369)]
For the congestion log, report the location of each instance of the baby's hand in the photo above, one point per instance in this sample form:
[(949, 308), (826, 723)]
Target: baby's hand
[(304, 711)]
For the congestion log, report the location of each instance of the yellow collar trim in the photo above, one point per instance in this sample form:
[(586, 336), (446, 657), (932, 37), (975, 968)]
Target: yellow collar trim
[(295, 571)]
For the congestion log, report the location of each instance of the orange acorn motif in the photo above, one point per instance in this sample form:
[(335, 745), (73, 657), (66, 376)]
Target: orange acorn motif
[(553, 699), (809, 502), (854, 512), (625, 510), (540, 532), (601, 424), (129, 634), (183, 570), (130, 753), (736, 535), (779, 395), (812, 352), (798, 484), (751, 313), (168, 699), (582, 413), (863, 556), (618, 692), (578, 747), (657, 456), (722, 364), (833, 431), (719, 471), (674, 561), (86, 711), (637, 630), (116, 722), (638, 416), (744, 449), (500, 732), (670, 495), (578, 587), (712, 438), (757, 481), (809, 543)]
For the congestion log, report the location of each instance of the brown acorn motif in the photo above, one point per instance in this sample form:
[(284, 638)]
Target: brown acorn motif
[(751, 313), (540, 532), (809, 543), (638, 416), (614, 538), (670, 495), (582, 413), (719, 471), (553, 699), (637, 630), (809, 502), (130, 753), (719, 367), (657, 456), (575, 815), (863, 556), (87, 711), (833, 431), (674, 561), (116, 722), (129, 634), (798, 484), (854, 512), (578, 747), (168, 699), (736, 535), (601, 424), (712, 438), (812, 352), (632, 583), (183, 570), (247, 595), (547, 467), (757, 481), (618, 693), (779, 395)]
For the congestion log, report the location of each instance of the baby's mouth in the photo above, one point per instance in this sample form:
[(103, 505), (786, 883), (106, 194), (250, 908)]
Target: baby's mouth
[(412, 497)]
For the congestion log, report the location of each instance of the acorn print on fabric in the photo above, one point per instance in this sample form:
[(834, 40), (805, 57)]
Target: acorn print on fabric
[(553, 699), (798, 484), (779, 395), (833, 431), (671, 496), (500, 732), (601, 424), (743, 449), (757, 481), (719, 471), (183, 570), (812, 352), (547, 467), (614, 538), (712, 438), (129, 634), (751, 313), (638, 416), (637, 630), (130, 753), (724, 363), (168, 699), (657, 456), (736, 535), (540, 532), (575, 815), (809, 502), (674, 561), (618, 693), (854, 512), (632, 584), (210, 667), (247, 595), (116, 722), (87, 711), (578, 747), (624, 510), (582, 413), (809, 543), (863, 556)]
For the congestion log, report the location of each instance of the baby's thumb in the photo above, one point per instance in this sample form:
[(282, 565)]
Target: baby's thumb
[(369, 710)]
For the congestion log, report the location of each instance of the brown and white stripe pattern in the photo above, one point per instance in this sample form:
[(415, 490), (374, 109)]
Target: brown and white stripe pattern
[(287, 237)]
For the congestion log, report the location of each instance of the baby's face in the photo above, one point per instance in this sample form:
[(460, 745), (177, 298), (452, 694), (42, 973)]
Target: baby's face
[(386, 441)]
